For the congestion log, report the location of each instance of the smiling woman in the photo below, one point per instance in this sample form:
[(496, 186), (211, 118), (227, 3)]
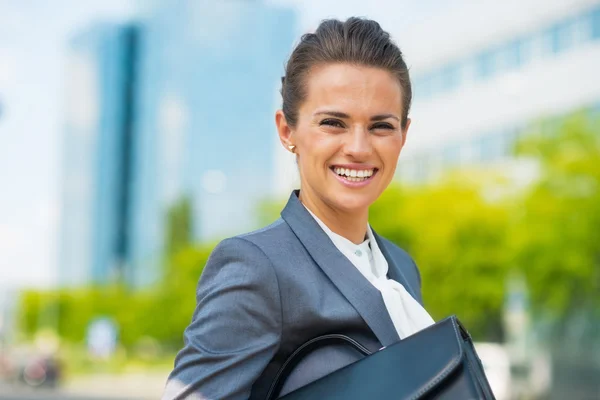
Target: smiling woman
[(320, 268), (350, 121)]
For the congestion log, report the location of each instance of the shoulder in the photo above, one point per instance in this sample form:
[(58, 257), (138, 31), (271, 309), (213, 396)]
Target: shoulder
[(273, 230), (241, 264), (271, 240), (254, 239), (252, 248)]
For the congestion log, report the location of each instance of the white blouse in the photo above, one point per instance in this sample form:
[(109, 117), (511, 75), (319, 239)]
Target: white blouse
[(406, 313)]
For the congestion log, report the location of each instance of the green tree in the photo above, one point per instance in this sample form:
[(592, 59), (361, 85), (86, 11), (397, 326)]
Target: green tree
[(458, 240), (179, 226), (177, 294), (556, 238), (269, 210), (174, 299), (29, 312)]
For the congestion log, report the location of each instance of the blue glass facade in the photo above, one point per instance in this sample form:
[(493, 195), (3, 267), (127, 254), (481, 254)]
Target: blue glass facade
[(93, 243), (179, 106), (208, 79)]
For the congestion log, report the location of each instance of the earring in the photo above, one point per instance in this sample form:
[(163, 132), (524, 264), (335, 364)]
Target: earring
[(291, 147)]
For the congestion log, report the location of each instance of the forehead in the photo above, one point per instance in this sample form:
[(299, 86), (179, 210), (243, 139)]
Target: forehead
[(353, 88)]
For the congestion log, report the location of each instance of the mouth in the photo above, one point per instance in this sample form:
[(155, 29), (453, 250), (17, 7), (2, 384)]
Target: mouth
[(354, 175)]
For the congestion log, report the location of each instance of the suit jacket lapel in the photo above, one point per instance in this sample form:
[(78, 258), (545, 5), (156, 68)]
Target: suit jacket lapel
[(363, 296), (395, 269)]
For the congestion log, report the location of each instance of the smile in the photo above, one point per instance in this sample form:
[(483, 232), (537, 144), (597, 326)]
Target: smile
[(354, 176)]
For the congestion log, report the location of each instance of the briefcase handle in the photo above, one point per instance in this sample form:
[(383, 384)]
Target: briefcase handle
[(304, 350)]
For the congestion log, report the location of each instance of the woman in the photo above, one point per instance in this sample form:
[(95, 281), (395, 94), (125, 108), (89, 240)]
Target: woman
[(320, 268)]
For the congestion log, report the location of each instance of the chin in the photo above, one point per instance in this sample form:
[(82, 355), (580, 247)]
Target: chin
[(351, 202)]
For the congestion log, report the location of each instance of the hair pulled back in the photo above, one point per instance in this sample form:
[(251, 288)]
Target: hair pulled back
[(355, 41)]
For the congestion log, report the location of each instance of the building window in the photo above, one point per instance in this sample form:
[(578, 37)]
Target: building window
[(451, 155), (595, 19), (554, 35), (561, 36), (517, 53), (485, 65), (436, 82), (492, 146), (450, 77), (467, 72), (422, 88), (596, 110)]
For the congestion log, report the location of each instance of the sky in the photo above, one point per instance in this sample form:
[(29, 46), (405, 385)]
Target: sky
[(33, 45)]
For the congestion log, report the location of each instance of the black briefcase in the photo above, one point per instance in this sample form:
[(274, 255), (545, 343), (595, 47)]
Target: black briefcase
[(438, 362)]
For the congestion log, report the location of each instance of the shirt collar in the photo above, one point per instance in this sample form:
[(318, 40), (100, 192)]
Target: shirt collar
[(369, 246), (339, 239)]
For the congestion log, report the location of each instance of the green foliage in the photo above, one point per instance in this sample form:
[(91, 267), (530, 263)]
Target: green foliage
[(160, 313), (556, 239), (467, 233), (179, 226), (29, 311), (458, 241), (177, 294), (269, 210), (157, 313)]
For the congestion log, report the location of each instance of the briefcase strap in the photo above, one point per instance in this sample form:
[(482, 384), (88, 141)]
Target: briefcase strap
[(304, 350)]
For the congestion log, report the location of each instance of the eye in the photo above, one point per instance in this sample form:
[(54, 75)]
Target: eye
[(335, 123), (383, 126)]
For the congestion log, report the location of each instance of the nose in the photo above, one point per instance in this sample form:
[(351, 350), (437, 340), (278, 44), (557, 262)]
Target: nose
[(358, 144)]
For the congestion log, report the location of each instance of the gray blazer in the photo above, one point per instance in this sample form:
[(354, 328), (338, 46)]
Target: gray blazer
[(265, 293)]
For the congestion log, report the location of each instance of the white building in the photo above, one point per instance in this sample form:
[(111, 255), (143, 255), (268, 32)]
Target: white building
[(483, 71)]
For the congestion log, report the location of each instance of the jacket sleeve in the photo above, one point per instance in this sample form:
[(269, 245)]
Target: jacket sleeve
[(235, 329)]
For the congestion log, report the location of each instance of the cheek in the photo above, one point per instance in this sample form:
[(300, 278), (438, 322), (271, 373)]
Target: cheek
[(317, 147), (389, 150)]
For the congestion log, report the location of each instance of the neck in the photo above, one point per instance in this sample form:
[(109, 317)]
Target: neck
[(350, 224)]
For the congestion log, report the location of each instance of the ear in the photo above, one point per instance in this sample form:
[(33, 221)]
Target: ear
[(284, 130), (405, 131)]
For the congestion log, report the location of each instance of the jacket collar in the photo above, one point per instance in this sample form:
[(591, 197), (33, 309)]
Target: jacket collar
[(363, 296)]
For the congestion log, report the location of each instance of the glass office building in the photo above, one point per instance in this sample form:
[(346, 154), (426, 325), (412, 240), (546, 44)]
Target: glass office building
[(207, 74), (179, 107), (94, 217)]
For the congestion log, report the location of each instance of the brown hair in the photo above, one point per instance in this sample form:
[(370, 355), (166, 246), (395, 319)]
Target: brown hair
[(356, 41)]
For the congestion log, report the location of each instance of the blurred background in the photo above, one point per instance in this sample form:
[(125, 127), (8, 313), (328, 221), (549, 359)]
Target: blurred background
[(137, 134)]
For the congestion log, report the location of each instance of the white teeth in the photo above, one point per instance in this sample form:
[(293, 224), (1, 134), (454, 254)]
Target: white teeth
[(354, 175)]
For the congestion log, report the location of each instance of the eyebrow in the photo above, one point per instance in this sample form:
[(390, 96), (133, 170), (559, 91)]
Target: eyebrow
[(338, 114)]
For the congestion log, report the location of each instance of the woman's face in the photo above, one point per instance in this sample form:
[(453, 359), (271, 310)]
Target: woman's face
[(348, 135)]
